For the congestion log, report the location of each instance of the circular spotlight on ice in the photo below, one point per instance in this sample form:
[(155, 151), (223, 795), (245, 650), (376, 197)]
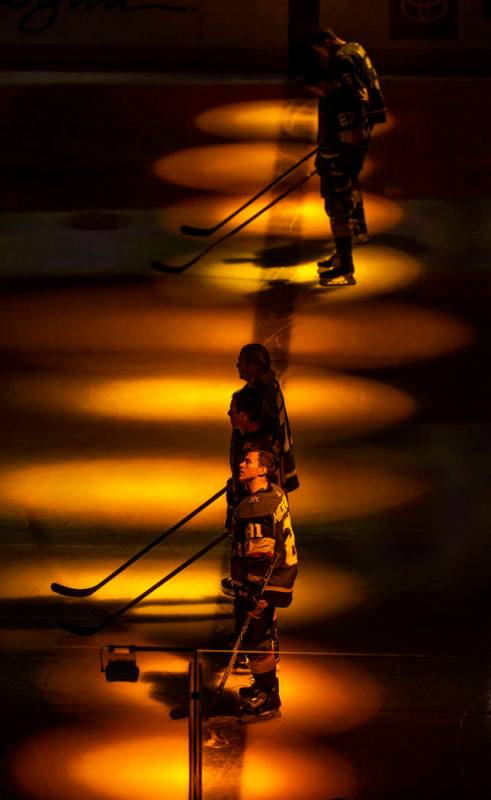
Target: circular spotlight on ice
[(378, 270), (153, 398), (341, 696), (336, 591), (345, 405), (303, 770), (105, 322), (229, 167), (337, 487), (147, 491), (125, 490), (269, 119), (300, 215), (379, 335), (262, 119), (120, 761)]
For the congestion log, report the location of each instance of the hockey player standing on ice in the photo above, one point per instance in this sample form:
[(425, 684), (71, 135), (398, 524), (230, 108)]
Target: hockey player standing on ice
[(250, 426), (262, 532), (262, 412), (254, 366), (350, 103)]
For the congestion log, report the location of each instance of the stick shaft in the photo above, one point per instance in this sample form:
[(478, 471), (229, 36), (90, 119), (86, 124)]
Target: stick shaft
[(88, 631), (213, 229), (160, 267), (60, 589), (242, 633)]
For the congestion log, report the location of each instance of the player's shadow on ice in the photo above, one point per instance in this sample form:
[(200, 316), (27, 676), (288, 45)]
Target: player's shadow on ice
[(172, 691), (290, 255)]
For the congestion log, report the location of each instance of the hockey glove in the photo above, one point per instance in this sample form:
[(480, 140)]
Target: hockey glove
[(254, 602)]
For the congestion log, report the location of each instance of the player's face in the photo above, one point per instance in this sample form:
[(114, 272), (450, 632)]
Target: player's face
[(232, 412), (247, 371), (322, 52), (249, 468)]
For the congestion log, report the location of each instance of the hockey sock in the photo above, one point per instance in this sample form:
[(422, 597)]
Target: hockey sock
[(344, 250), (266, 681)]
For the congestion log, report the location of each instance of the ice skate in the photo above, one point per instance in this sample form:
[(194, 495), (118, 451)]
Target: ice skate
[(227, 586), (333, 271), (333, 262), (248, 692), (260, 706), (337, 280)]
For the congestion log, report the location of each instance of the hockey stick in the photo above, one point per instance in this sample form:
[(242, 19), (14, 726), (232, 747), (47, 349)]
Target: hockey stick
[(241, 635), (72, 591), (88, 630), (159, 266), (192, 231)]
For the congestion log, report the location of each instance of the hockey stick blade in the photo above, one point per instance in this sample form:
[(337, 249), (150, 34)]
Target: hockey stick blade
[(79, 630), (158, 266), (71, 591), (189, 230), (88, 630)]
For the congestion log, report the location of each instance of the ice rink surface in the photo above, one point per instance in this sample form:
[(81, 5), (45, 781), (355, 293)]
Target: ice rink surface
[(116, 383)]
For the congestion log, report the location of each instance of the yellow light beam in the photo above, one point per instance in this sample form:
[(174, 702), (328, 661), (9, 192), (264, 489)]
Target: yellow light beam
[(345, 405), (269, 119), (300, 215), (148, 491)]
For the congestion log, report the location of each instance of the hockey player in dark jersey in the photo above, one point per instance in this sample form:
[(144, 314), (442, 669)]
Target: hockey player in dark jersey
[(250, 427), (254, 366), (262, 535), (350, 103), (258, 410)]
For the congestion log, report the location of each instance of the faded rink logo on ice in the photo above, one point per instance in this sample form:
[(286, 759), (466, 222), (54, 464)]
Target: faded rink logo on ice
[(37, 16)]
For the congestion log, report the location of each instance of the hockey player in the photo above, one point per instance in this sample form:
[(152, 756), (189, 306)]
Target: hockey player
[(250, 426), (262, 413), (350, 103), (262, 535), (254, 366)]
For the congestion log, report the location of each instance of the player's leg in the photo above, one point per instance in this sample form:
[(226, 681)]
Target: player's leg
[(261, 700), (358, 219), (336, 189)]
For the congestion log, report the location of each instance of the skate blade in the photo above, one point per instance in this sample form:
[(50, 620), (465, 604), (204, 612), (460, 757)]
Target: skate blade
[(341, 280), (250, 719)]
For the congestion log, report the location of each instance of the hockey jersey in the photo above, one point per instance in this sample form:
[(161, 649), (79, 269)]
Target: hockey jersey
[(357, 74), (275, 410), (263, 530), (354, 101)]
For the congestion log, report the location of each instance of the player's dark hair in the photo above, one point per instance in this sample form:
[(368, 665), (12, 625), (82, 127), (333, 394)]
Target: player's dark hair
[(323, 34), (258, 354)]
